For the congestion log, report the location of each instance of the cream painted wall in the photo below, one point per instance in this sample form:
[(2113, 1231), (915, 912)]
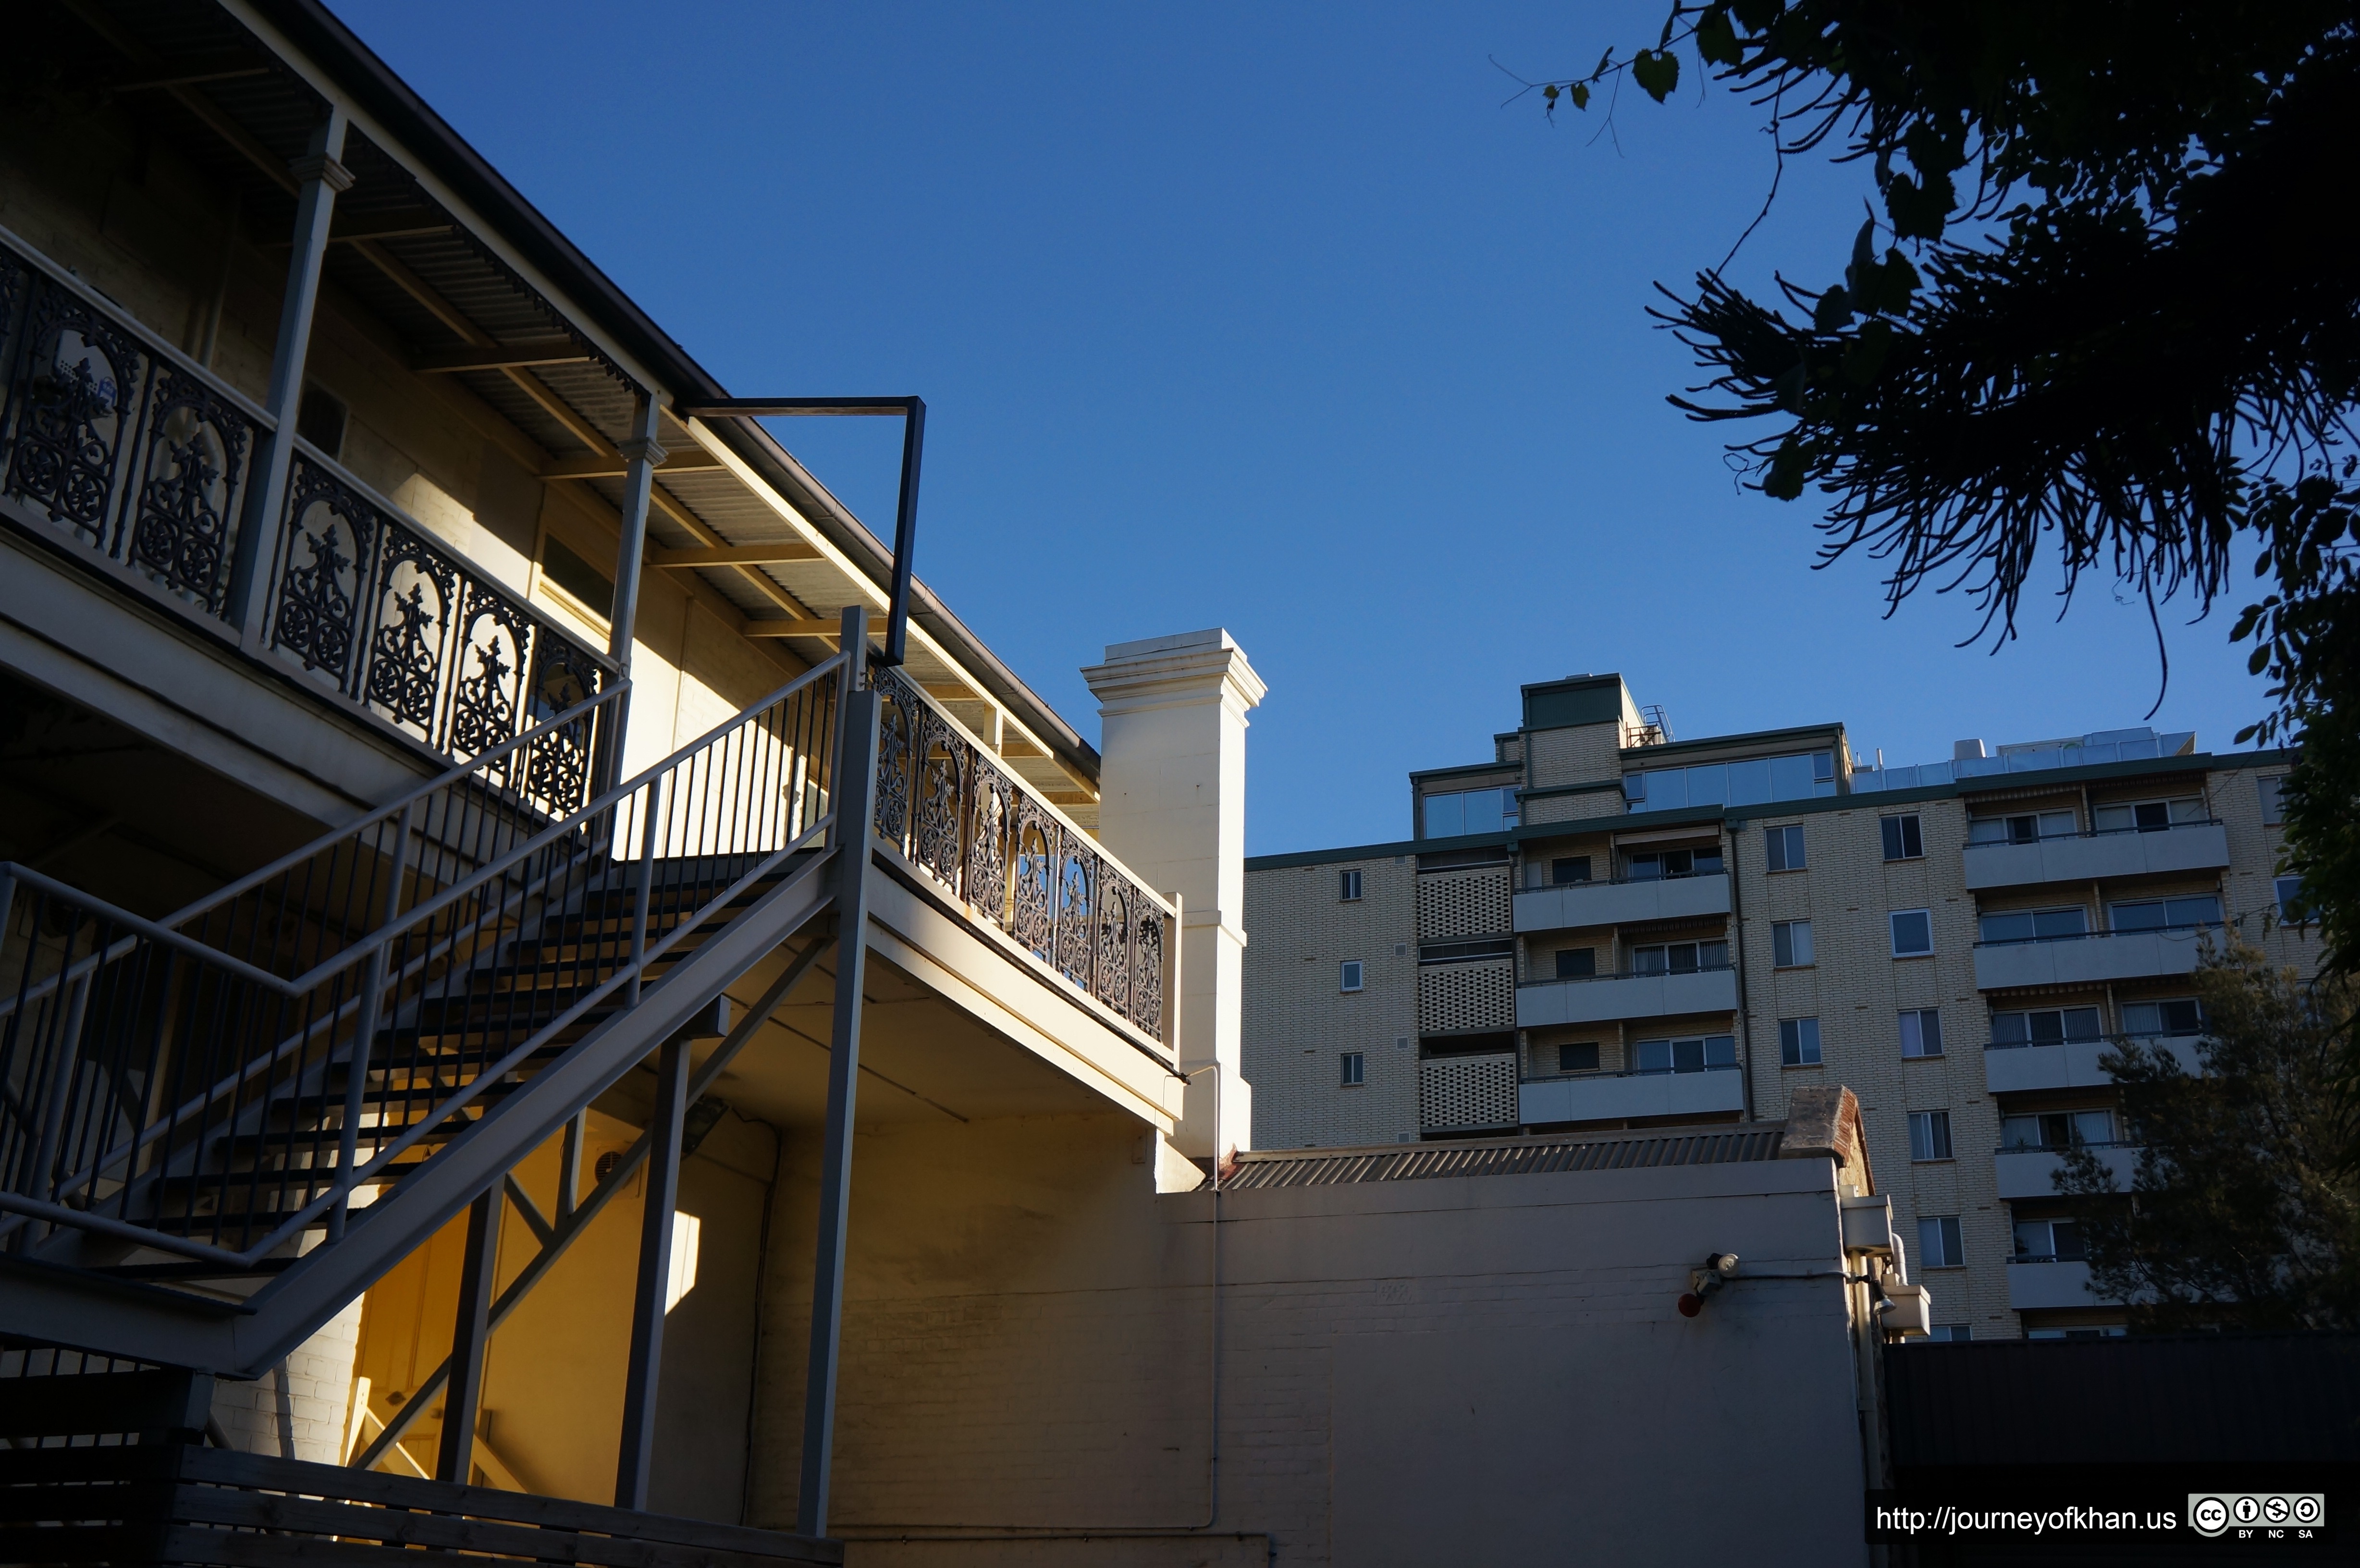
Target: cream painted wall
[(1486, 1370)]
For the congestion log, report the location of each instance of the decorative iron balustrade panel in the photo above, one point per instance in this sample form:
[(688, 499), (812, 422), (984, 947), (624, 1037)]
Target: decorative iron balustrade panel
[(957, 816), (181, 520), (413, 633), (80, 377), (122, 444), (139, 457)]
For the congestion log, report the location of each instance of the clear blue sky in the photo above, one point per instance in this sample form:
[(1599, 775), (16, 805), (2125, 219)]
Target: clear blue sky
[(1267, 317)]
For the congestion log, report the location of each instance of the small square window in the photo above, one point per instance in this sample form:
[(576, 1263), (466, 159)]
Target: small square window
[(1356, 1068), (2273, 806), (1799, 1043), (1921, 1032), (1790, 943), (1951, 1334), (1784, 846), (1929, 1135), (1577, 1058), (1576, 963), (1939, 1243), (1913, 933), (1348, 977), (1904, 839), (1348, 886)]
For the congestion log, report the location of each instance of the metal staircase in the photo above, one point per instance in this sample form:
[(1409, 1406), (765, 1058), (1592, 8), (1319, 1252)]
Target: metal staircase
[(218, 1127)]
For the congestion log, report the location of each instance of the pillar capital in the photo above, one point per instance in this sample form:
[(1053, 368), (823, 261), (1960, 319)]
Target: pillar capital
[(1168, 671), (319, 165)]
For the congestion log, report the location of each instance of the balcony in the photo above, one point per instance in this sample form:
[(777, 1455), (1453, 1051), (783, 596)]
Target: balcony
[(2071, 1064), (2088, 857), (1624, 901), (132, 460), (2030, 1172), (1609, 998), (1607, 1096), (2048, 1284), (2090, 960)]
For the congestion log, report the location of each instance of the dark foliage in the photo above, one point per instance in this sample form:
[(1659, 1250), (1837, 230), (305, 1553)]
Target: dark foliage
[(2246, 1210)]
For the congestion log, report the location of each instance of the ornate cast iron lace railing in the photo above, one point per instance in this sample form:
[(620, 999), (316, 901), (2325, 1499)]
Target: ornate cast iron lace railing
[(1019, 862), (126, 446), (218, 1082), (122, 443)]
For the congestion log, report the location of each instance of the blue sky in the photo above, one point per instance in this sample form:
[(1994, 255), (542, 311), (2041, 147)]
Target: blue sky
[(1267, 317)]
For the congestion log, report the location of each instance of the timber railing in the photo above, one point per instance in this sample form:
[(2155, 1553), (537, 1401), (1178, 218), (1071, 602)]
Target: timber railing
[(135, 460)]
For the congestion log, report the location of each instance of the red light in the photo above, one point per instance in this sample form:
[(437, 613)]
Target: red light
[(1690, 1304)]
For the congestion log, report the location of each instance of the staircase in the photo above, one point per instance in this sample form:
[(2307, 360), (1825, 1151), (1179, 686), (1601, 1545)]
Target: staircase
[(217, 1128)]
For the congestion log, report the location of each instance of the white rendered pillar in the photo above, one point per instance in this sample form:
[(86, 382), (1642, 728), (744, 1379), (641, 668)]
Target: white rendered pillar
[(1173, 808)]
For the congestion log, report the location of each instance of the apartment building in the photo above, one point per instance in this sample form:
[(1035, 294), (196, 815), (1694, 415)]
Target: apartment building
[(1605, 926)]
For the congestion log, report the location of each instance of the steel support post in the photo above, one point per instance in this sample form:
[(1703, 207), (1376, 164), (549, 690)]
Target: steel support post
[(644, 1375), (463, 1399), (855, 779), (322, 178), (642, 454)]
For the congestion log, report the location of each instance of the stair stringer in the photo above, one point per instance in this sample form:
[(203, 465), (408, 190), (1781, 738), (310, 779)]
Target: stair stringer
[(55, 1305)]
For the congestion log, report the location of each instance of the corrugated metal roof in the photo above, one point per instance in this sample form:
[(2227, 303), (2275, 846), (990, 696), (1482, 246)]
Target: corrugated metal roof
[(1506, 1157)]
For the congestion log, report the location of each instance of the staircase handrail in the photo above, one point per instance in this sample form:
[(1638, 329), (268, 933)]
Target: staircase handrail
[(617, 694), (685, 809)]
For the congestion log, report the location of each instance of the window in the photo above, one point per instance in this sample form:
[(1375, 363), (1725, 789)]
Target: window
[(2179, 1016), (2166, 914), (1577, 1058), (1712, 1053), (1675, 863), (320, 419), (1356, 1068), (1347, 975), (1790, 943), (1460, 811), (1348, 886), (2035, 925), (2056, 1130), (1785, 847), (2291, 908), (1904, 840), (1798, 776), (1950, 1333), (2049, 1241), (1929, 1135), (2046, 1026), (576, 576), (1799, 1043), (1939, 1243), (1921, 1032), (1913, 933), (2150, 816), (2087, 1331), (2273, 808), (1576, 963), (1680, 958), (2029, 828), (1568, 869)]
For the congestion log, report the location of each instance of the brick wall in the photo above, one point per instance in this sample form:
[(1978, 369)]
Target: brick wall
[(1297, 1024)]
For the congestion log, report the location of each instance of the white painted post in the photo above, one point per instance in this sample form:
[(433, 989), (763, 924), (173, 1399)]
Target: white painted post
[(1173, 808), (322, 178)]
